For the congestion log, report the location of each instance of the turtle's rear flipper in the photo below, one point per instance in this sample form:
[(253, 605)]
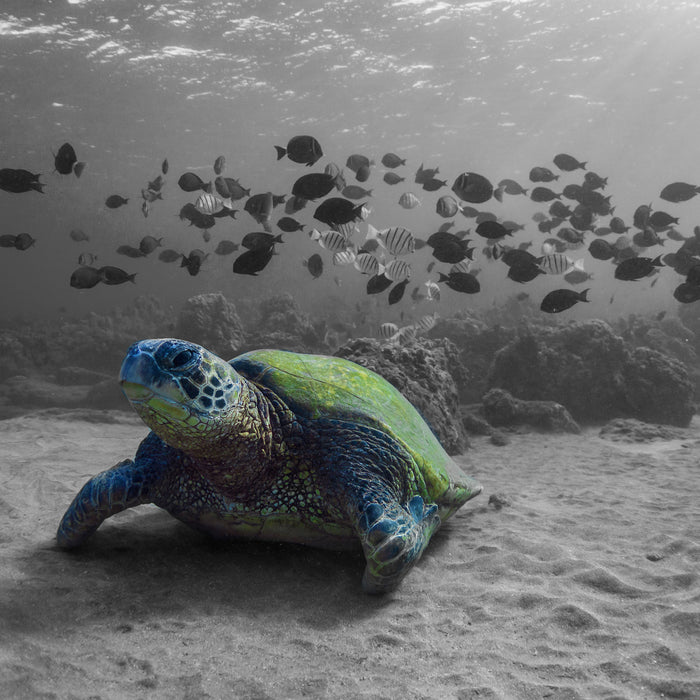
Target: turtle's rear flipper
[(393, 538), (121, 487)]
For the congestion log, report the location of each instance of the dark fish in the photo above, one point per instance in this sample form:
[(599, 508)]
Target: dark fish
[(115, 275), (641, 215), (517, 256), (392, 178), (600, 249), (301, 149), (562, 299), (492, 229), (425, 174), (226, 247), (289, 225), (78, 235), (433, 184), (464, 282), (543, 194), (336, 211), (355, 192), (24, 241), (221, 187), (193, 261), (565, 162), (235, 189), (447, 206), (8, 240), (686, 293), (525, 272), (189, 212), (559, 210), (661, 220), (391, 160), (582, 218), (647, 238), (252, 261), (540, 174), (294, 204), (78, 168), (169, 255), (260, 206), (449, 248), (191, 182), (594, 181), (679, 192), (130, 251), (260, 239), (636, 268), (571, 236), (85, 278), (149, 243), (219, 165), (378, 283), (313, 185), (156, 185), (693, 275), (362, 173), (397, 292), (511, 187), (572, 191), (114, 201), (617, 225), (164, 167), (65, 159), (17, 180), (473, 188), (314, 264), (357, 161)]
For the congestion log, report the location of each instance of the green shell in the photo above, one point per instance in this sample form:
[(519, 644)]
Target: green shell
[(320, 386)]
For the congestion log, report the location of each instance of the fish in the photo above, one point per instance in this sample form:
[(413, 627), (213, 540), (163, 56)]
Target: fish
[(679, 192), (636, 268), (164, 166), (557, 264), (130, 251), (260, 239), (524, 272), (8, 240), (408, 200), (314, 264), (388, 330), (433, 185), (541, 174), (686, 293), (661, 220), (211, 204), (355, 192), (378, 283), (472, 188), (337, 211), (219, 165), (432, 290), (330, 240), (511, 187), (449, 248), (391, 160), (289, 225), (392, 178), (397, 240), (115, 275), (114, 201), (78, 235), (543, 194), (235, 189), (565, 162), (425, 174), (463, 282), (157, 184), (516, 256), (78, 168), (301, 149), (191, 182), (193, 261), (86, 259), (169, 255), (356, 161), (398, 270), (447, 206), (85, 277), (577, 276), (562, 299), (345, 257), (18, 180), (145, 209), (362, 173), (149, 243), (314, 185), (426, 323), (23, 241), (149, 195), (559, 210), (397, 291), (65, 159), (492, 230), (260, 206), (366, 263), (617, 225), (601, 249)]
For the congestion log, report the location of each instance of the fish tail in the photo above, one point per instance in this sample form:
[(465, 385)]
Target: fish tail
[(583, 165), (442, 277), (314, 234), (131, 278), (38, 186), (583, 295), (578, 265), (281, 152)]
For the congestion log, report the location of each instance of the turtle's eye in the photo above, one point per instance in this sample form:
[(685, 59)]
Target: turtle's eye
[(181, 359)]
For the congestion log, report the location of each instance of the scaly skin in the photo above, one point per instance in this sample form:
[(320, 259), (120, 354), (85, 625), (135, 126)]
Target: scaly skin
[(250, 467)]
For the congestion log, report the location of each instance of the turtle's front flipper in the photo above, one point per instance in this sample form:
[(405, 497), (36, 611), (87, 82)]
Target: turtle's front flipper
[(125, 485), (393, 538)]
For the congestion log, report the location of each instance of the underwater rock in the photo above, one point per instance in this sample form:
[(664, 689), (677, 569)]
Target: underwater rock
[(211, 320), (595, 374), (38, 392), (502, 409), (633, 430), (421, 371), (473, 422)]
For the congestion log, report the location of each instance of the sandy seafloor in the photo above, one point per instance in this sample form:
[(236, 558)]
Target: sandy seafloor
[(586, 586)]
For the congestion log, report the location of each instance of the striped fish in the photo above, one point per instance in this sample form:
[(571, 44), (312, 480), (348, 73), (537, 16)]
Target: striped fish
[(558, 263), (345, 257), (398, 270), (408, 200), (397, 240), (433, 290), (463, 266), (211, 204), (330, 240), (424, 324), (367, 264), (348, 230), (388, 330)]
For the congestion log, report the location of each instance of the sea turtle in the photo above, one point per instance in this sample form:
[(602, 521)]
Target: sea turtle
[(280, 446)]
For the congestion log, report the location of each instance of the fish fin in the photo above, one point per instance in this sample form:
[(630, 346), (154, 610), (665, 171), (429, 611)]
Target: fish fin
[(372, 233), (281, 152), (314, 234), (579, 265), (547, 249), (582, 296)]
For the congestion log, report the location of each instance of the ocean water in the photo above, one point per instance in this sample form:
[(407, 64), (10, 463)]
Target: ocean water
[(494, 87)]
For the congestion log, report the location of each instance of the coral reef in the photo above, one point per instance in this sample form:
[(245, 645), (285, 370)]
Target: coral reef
[(422, 372), (595, 374), (503, 410)]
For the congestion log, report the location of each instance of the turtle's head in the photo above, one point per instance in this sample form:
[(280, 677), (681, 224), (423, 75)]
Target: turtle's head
[(183, 392)]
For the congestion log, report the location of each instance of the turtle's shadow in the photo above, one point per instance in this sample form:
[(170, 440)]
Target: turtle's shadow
[(149, 567)]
